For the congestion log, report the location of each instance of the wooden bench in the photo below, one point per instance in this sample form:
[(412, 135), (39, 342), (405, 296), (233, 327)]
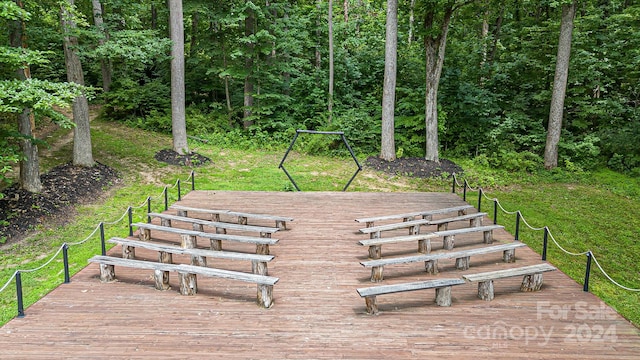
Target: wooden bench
[(187, 275), (281, 221), (198, 256), (475, 219), (221, 227), (189, 237), (431, 260), (532, 280), (375, 245), (442, 286), (449, 235), (426, 215), (413, 225)]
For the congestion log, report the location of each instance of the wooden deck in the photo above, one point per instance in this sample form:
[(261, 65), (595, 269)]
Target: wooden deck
[(317, 312)]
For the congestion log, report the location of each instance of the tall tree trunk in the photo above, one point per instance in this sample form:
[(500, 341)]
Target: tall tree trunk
[(318, 54), (105, 64), (195, 20), (178, 116), (411, 21), (29, 164), (249, 30), (345, 7), (559, 86), (434, 55), (82, 152), (387, 147), (330, 21)]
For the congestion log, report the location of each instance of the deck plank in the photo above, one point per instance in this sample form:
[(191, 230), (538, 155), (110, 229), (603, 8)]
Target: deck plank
[(317, 312)]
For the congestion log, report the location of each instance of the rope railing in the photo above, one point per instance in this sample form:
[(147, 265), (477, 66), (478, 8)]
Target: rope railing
[(100, 227), (547, 233)]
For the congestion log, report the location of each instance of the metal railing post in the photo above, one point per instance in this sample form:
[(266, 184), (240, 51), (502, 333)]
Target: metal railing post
[(453, 185), (102, 242), (479, 198), (193, 180), (545, 243), (130, 212), (517, 225), (587, 272), (495, 211), (148, 209), (65, 258), (179, 192), (19, 294), (166, 199), (464, 193)]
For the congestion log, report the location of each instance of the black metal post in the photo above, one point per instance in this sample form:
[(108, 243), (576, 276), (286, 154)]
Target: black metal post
[(148, 209), (544, 243), (587, 272), (453, 184), (495, 211), (179, 195), (65, 258), (102, 242), (479, 198), (129, 210), (19, 294), (464, 193), (166, 199), (193, 180), (517, 225)]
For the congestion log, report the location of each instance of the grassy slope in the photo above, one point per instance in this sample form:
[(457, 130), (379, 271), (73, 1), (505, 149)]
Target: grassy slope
[(595, 214)]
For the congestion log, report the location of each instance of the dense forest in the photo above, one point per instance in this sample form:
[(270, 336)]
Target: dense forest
[(479, 75)]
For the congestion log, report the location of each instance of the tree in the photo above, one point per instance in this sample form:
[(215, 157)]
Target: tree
[(559, 86), (436, 24), (178, 116), (387, 147), (82, 152), (249, 31), (331, 64), (105, 64)]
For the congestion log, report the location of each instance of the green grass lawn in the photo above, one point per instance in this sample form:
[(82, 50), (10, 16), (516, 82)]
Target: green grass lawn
[(596, 212)]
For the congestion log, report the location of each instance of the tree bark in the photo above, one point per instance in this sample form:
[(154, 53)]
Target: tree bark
[(178, 116), (330, 22), (559, 86), (82, 152), (105, 64), (411, 21), (249, 30), (387, 147), (30, 164)]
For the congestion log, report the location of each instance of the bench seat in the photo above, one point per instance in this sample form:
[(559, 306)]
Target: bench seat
[(427, 214), (187, 275), (375, 245), (198, 256), (281, 221), (431, 260), (532, 280), (442, 286), (449, 235), (189, 237), (475, 219), (413, 225), (221, 227)]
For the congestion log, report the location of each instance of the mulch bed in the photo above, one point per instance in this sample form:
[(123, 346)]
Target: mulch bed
[(414, 167)]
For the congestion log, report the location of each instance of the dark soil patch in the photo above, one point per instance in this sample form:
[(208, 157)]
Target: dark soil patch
[(414, 167), (173, 158), (63, 187)]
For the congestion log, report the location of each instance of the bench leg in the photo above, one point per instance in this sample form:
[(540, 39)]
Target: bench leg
[(427, 217), (198, 260), (144, 234), (509, 256), (107, 273), (374, 235), (448, 242), (372, 305), (262, 249), (531, 282), (424, 246), (431, 266), (221, 231), (161, 280), (375, 252), (462, 212), (265, 296), (488, 237), (377, 273), (282, 225), (462, 263), (128, 252), (443, 296), (215, 217), (485, 290), (216, 245), (475, 222), (242, 220), (182, 213), (198, 227), (259, 268), (165, 257), (165, 222), (414, 230), (188, 283), (188, 241), (443, 226)]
